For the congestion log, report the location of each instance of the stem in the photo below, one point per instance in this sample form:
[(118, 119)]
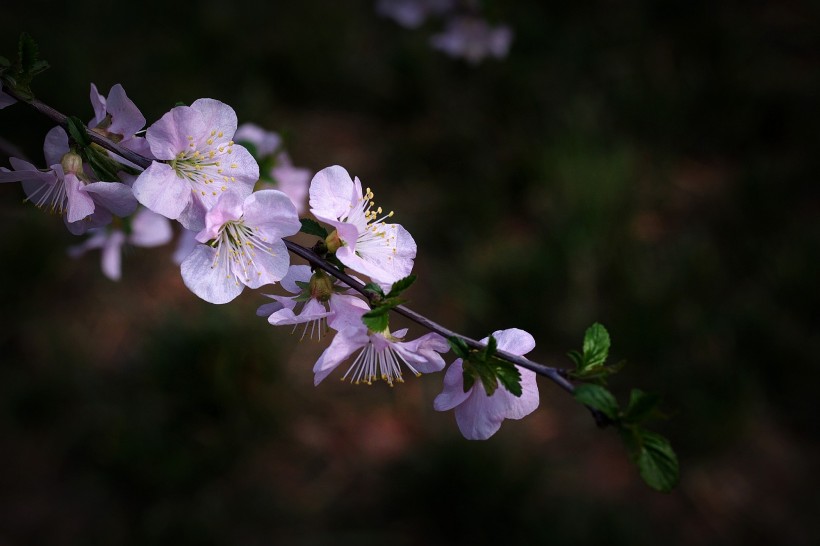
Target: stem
[(556, 375)]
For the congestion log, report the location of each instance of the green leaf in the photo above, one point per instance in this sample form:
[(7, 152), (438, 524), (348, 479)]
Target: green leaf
[(78, 132), (4, 62), (312, 227), (597, 374), (459, 347), (488, 378), (599, 398), (376, 321), (657, 462), (596, 346), (509, 375), (577, 358), (641, 406), (468, 379), (104, 167), (401, 285)]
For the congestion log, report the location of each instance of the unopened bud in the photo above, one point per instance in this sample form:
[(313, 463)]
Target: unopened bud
[(72, 163), (333, 242), (321, 286)]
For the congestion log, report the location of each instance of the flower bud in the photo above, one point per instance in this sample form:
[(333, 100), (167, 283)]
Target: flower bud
[(321, 286), (333, 242), (72, 163)]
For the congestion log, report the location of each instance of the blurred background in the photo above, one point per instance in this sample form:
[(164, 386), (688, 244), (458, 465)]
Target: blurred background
[(652, 166)]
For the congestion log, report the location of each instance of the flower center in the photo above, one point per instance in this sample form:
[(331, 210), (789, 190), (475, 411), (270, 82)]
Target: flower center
[(236, 250), (205, 165), (378, 361)]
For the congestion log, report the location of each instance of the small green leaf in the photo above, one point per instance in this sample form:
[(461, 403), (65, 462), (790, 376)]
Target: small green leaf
[(657, 462), (596, 346), (509, 375), (459, 347), (376, 322), (488, 378), (312, 227), (180, 103), (304, 285), (597, 397), (641, 406), (4, 62), (596, 374), (77, 132), (401, 285)]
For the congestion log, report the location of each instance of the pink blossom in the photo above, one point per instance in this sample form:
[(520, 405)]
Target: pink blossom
[(316, 301), (473, 39), (83, 204), (146, 229), (118, 118), (363, 240), (479, 416), (381, 354), (244, 245), (197, 163), (412, 13)]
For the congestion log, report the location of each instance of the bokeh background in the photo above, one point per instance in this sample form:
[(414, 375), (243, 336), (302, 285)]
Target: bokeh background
[(652, 166)]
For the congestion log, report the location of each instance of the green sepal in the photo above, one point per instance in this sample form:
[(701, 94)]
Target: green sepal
[(104, 167), (77, 131), (597, 397), (509, 375), (373, 287), (401, 285), (304, 285), (312, 227), (179, 103), (377, 319), (459, 347), (486, 366)]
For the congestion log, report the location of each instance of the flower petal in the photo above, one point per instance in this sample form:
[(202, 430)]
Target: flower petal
[(513, 340), (217, 116), (332, 193), (210, 283), (272, 213), (267, 268), (169, 135), (55, 145), (162, 191), (149, 229), (343, 345), (115, 196), (453, 393)]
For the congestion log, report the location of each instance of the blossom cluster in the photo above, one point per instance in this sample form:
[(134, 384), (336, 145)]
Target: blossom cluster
[(235, 195), (466, 34)]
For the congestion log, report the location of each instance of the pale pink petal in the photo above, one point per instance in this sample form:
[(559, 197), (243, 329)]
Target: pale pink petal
[(115, 196), (331, 193), (521, 406), (80, 204), (299, 273), (161, 190), (272, 213), (343, 345), (513, 340), (423, 353), (185, 244), (149, 229), (126, 118), (453, 393), (217, 116), (170, 135), (111, 259), (227, 208), (265, 142), (55, 145), (267, 268), (98, 103), (479, 416), (210, 283)]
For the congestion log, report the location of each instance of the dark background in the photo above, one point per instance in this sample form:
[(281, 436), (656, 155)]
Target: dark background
[(652, 166)]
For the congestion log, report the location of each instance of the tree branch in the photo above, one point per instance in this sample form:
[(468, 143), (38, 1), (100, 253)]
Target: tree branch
[(556, 375)]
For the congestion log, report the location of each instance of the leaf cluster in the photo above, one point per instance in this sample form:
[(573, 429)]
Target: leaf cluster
[(378, 317), (651, 452), (485, 365), (20, 73)]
